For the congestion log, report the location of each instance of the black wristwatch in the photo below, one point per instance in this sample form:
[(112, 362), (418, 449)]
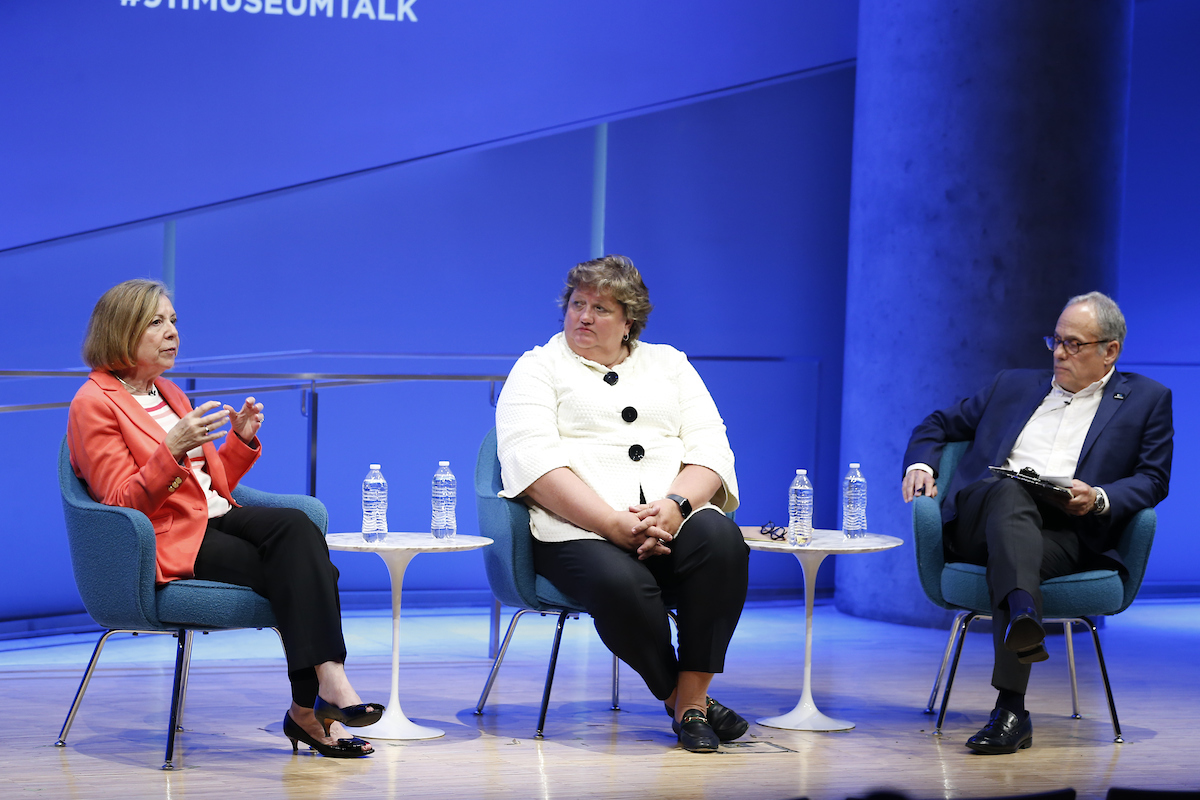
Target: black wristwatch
[(685, 507), (1101, 505)]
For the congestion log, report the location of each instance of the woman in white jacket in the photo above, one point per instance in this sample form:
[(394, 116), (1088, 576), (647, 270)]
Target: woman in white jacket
[(619, 452)]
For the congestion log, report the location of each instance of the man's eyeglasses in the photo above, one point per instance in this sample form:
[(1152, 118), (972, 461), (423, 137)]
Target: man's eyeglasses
[(1070, 345)]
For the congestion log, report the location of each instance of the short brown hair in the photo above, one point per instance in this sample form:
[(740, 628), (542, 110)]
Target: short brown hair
[(118, 321), (617, 276)]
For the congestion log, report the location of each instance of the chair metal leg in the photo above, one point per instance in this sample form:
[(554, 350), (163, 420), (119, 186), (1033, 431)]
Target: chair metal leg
[(562, 618), (83, 684), (182, 651), (616, 698), (971, 615), (955, 630), (183, 686), (1068, 624), (494, 638), (1112, 706), (487, 687)]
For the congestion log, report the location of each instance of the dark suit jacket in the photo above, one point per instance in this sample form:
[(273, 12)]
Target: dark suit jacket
[(1127, 451)]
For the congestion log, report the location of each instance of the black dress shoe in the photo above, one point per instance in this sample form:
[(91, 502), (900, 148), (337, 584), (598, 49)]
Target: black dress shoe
[(726, 723), (1004, 733), (1025, 636), (695, 735)]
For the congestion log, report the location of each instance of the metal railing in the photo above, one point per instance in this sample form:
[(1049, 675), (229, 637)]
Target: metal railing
[(309, 383)]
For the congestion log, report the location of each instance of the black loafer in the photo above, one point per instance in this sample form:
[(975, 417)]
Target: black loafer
[(726, 723), (1004, 733), (695, 735), (1025, 636)]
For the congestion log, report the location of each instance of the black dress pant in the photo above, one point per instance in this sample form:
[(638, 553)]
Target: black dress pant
[(1022, 541), (704, 576), (282, 555)]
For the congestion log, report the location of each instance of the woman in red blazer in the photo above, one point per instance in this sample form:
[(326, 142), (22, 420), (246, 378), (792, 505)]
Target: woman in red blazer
[(137, 442)]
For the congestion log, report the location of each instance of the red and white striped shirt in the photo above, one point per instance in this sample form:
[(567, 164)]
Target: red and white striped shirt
[(161, 413)]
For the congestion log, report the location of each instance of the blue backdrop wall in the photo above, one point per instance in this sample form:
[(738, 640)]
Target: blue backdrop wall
[(727, 183), (1160, 266), (370, 192)]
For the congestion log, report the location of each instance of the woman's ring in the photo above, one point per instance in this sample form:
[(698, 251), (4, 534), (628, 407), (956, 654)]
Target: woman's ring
[(206, 430)]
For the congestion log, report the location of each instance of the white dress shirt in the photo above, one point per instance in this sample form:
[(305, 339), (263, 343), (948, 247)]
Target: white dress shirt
[(556, 410)]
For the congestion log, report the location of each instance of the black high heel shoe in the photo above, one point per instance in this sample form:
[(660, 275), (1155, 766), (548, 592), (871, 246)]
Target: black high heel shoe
[(350, 716), (345, 748)]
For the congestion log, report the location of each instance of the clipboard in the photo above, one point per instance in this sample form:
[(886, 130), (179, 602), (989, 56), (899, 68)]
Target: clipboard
[(1036, 483)]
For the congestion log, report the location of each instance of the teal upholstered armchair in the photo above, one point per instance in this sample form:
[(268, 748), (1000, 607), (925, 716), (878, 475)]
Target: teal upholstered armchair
[(1068, 599), (509, 565), (112, 555)]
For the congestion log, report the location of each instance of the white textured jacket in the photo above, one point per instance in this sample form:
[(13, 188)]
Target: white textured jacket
[(625, 440)]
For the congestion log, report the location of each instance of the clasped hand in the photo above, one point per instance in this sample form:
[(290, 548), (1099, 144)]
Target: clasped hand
[(647, 528), (202, 425)]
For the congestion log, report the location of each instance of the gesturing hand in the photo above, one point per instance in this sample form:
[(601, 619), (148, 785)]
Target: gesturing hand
[(196, 427), (246, 422)]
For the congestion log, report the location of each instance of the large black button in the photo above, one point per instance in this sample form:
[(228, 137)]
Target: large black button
[(629, 413), (637, 452), (612, 378)]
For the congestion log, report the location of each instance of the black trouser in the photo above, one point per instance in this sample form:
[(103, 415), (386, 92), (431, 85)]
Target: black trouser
[(1022, 541), (281, 555), (704, 577)]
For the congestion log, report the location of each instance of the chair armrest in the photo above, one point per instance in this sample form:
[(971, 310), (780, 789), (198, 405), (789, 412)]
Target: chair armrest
[(311, 506), (113, 560), (927, 544), (1134, 548)]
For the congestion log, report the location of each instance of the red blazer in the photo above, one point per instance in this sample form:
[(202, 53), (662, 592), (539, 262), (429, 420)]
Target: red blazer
[(119, 451)]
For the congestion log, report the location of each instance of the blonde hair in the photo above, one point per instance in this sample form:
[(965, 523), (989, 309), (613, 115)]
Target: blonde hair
[(118, 321), (617, 276)]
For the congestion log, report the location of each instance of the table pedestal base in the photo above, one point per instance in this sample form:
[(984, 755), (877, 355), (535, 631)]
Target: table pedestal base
[(396, 726), (393, 724), (806, 717)]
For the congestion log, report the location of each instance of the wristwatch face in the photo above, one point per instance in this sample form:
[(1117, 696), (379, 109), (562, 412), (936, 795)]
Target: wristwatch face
[(685, 506)]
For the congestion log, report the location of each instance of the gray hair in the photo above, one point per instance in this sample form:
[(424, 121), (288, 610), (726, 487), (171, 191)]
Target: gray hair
[(1108, 315)]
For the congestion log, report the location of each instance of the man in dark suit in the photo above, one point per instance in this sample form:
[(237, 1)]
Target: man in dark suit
[(1106, 435)]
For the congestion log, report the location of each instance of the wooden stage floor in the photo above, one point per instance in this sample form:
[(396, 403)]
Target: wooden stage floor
[(875, 674)]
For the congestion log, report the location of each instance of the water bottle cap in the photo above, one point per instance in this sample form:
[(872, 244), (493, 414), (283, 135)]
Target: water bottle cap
[(853, 465), (801, 472), (443, 463), (374, 466)]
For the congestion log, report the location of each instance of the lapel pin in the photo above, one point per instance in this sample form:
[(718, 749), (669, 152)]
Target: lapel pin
[(1119, 396)]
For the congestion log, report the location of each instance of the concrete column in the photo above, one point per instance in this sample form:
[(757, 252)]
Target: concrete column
[(989, 141)]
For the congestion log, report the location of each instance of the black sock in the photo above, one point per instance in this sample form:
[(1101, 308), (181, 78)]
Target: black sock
[(1011, 701), (1018, 599)]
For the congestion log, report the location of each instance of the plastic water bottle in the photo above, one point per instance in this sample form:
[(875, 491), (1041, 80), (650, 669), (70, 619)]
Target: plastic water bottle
[(854, 503), (374, 527), (800, 510), (445, 491)]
